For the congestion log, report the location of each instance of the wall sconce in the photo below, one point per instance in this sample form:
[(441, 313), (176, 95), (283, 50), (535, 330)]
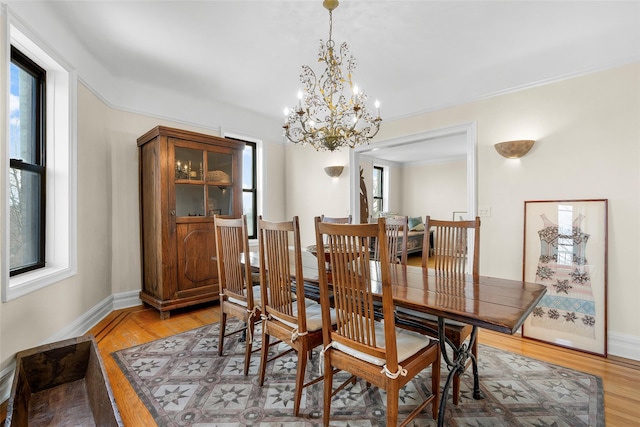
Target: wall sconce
[(334, 171), (514, 149)]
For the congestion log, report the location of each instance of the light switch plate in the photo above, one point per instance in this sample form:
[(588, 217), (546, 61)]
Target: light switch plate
[(484, 211)]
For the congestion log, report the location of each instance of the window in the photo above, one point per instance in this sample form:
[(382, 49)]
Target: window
[(249, 188), (378, 191), (27, 182), (39, 239), (249, 184)]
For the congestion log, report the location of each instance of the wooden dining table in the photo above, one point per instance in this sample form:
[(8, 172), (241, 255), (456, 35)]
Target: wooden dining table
[(500, 305)]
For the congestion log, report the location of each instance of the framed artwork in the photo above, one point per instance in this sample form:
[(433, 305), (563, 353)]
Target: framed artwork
[(565, 249), (459, 215)]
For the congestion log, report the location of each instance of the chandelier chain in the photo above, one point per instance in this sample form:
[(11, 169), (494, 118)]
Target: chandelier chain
[(330, 23)]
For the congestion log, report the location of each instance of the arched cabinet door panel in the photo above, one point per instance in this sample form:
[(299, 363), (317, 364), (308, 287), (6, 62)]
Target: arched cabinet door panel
[(196, 256)]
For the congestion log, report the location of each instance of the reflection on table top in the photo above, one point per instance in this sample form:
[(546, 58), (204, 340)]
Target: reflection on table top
[(492, 303)]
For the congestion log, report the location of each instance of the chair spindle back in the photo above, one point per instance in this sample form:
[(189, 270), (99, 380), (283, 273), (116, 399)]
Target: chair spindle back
[(232, 243), (450, 251), (349, 247)]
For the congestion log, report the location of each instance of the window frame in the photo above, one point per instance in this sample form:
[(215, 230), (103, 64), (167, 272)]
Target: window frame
[(382, 191), (26, 64), (257, 178), (253, 232), (61, 186)]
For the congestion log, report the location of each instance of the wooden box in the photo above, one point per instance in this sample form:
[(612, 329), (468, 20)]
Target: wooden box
[(62, 384)]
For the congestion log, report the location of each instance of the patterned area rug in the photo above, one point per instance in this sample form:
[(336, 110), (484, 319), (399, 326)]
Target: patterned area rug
[(183, 382)]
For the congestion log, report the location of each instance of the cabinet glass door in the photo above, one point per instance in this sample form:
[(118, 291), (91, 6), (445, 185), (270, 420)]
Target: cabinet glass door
[(203, 182), (219, 177), (219, 168), (219, 200), (189, 187), (189, 200), (188, 164)]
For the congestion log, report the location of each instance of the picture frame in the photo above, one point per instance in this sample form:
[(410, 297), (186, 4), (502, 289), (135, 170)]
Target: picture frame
[(565, 248), (460, 215)]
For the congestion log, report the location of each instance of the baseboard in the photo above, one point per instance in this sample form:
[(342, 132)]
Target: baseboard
[(78, 327), (126, 300), (624, 345)]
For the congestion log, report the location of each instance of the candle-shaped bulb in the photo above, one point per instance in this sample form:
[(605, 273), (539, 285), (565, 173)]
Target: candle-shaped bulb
[(355, 90), (377, 104)]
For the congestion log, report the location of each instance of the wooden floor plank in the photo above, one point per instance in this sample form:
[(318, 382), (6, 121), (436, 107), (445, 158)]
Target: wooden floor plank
[(137, 325), (127, 328)]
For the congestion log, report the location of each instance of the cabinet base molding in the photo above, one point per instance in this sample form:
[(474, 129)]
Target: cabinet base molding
[(165, 306)]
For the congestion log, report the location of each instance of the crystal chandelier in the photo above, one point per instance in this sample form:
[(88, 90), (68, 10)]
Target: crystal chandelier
[(326, 117)]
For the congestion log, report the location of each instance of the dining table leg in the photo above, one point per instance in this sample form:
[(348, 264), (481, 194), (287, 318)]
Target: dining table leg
[(457, 364)]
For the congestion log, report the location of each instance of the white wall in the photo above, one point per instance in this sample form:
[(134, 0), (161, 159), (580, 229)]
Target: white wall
[(310, 192), (396, 185), (31, 319), (108, 231), (124, 129), (108, 223), (435, 189), (588, 146)]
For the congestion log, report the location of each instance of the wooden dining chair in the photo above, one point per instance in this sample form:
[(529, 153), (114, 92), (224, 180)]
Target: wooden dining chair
[(336, 220), (287, 315), (333, 220), (448, 255), (239, 291), (396, 246), (397, 228), (378, 352)]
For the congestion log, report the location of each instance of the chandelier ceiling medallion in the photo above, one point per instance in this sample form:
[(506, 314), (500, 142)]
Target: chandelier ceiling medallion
[(331, 111)]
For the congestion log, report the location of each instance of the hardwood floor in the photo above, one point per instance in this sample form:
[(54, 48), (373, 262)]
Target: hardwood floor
[(137, 325), (415, 259), (126, 328), (620, 377), (129, 327)]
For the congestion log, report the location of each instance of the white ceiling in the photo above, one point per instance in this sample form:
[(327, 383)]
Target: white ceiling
[(414, 56)]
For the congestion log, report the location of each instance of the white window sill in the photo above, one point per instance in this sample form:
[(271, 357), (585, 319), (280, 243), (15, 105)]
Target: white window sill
[(32, 281)]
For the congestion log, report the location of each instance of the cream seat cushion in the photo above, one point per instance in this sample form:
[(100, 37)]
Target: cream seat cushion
[(314, 316), (408, 343), (256, 298)]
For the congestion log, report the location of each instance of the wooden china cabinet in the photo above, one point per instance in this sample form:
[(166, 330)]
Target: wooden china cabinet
[(185, 179)]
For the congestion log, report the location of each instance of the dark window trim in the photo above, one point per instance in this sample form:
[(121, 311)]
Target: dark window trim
[(380, 187), (253, 233), (39, 167), (253, 230)]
